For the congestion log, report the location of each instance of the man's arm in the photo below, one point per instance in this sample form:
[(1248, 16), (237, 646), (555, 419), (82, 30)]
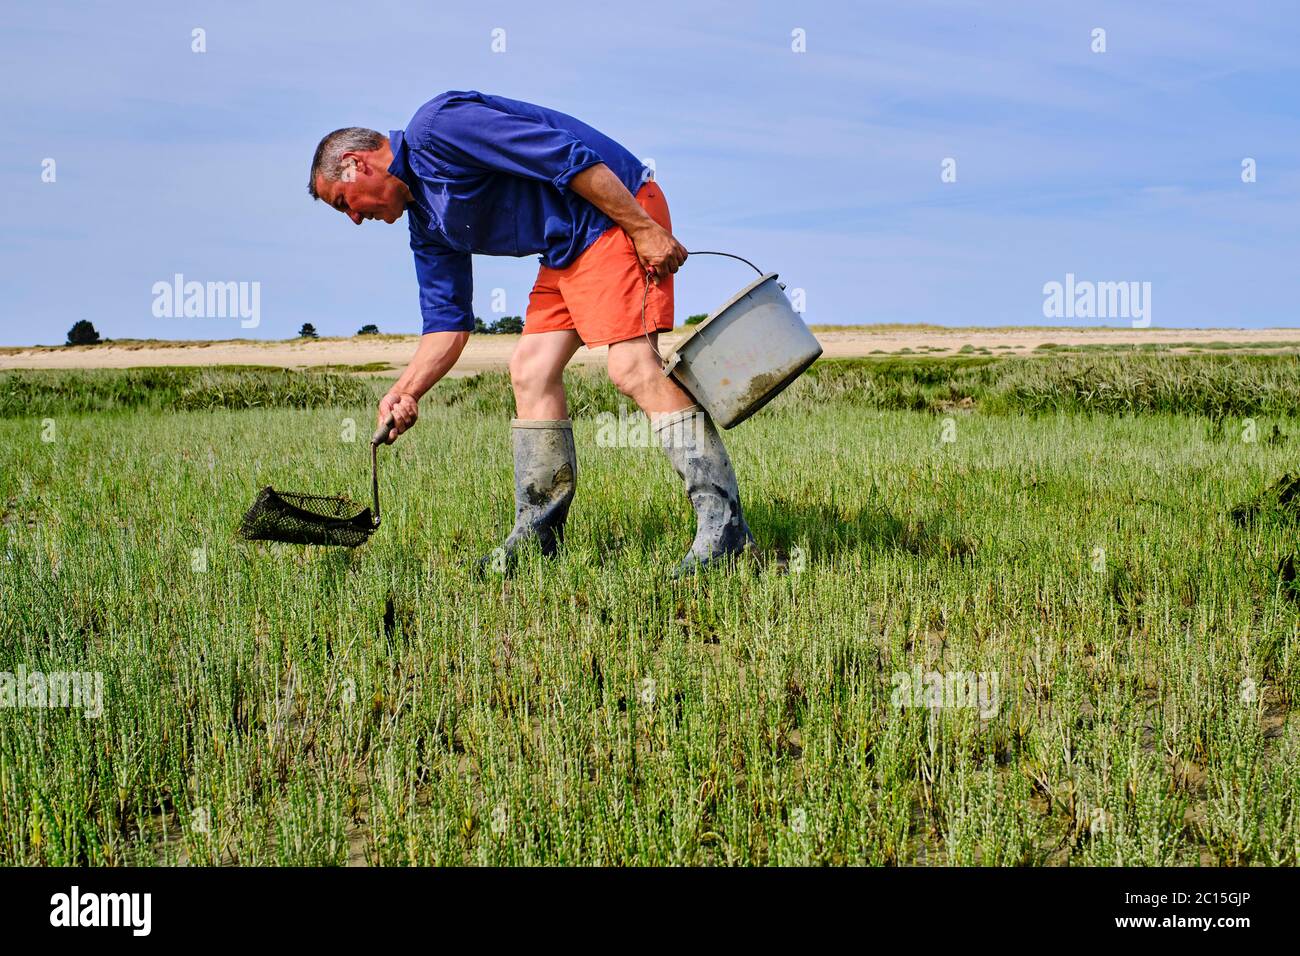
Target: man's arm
[(655, 246), (446, 307), (436, 354)]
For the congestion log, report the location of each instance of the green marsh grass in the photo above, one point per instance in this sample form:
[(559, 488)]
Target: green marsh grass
[(268, 704)]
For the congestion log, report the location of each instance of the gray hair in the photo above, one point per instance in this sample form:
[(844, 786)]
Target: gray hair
[(328, 161)]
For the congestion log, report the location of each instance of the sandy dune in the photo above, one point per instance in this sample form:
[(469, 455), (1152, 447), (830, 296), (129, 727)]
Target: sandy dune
[(493, 351)]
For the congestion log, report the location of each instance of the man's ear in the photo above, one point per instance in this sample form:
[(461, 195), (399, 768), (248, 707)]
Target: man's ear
[(353, 164)]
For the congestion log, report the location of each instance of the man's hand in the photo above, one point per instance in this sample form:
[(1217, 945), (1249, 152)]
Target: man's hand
[(404, 408), (659, 252), (436, 355)]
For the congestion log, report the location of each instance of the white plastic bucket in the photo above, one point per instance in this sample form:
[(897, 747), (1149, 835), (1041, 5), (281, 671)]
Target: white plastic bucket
[(744, 354)]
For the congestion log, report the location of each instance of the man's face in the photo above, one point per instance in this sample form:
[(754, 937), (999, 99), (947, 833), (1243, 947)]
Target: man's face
[(366, 191)]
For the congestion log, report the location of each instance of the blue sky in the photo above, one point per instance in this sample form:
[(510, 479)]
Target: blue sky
[(823, 166)]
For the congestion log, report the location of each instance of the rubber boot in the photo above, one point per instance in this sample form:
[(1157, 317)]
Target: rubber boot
[(546, 476), (691, 442)]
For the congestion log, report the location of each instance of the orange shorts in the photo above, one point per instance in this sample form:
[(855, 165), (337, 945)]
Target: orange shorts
[(599, 294)]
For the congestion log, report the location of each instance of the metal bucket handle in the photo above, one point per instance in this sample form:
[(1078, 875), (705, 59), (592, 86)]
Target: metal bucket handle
[(646, 294)]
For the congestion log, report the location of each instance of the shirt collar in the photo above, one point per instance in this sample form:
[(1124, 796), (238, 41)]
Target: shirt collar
[(397, 142)]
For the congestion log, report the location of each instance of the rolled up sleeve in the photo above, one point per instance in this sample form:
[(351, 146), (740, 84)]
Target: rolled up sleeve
[(446, 287), (474, 134)]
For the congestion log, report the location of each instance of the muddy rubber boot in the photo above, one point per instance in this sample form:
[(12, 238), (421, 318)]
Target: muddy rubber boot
[(546, 476), (691, 442)]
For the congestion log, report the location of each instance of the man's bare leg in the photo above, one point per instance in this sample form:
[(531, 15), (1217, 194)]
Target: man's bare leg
[(537, 374), (635, 370)]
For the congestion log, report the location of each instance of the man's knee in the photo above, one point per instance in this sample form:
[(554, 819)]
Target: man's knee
[(633, 372), (531, 374)]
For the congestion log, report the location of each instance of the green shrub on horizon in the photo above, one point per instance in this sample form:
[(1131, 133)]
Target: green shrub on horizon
[(41, 393)]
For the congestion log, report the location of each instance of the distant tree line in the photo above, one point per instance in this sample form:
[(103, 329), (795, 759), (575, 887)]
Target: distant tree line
[(83, 332), (506, 325), (308, 331)]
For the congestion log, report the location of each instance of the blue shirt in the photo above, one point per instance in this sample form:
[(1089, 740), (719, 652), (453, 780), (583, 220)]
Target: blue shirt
[(491, 176)]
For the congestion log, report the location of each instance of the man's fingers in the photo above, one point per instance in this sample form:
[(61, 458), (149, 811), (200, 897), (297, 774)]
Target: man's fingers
[(400, 427), (402, 411)]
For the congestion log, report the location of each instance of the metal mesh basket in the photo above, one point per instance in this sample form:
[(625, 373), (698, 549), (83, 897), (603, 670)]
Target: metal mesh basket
[(295, 518)]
